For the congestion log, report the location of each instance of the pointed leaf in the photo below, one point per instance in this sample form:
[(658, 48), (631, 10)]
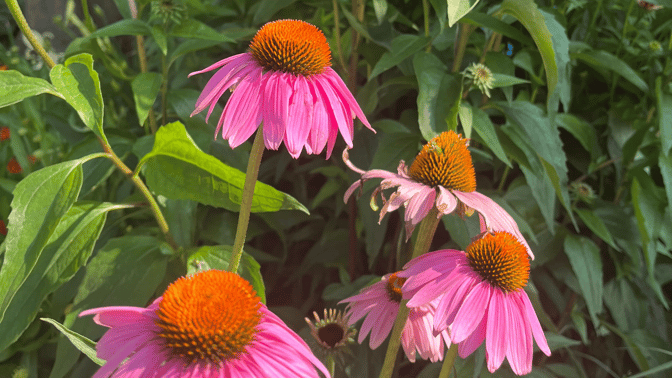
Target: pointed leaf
[(176, 168), (145, 89), (584, 256), (218, 257), (596, 225), (458, 8), (80, 342), (403, 46), (432, 86), (14, 87), (80, 86), (664, 116)]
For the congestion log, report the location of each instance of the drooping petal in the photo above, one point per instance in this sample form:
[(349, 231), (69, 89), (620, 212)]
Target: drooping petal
[(446, 201), (251, 115), (496, 330), (275, 109), (471, 343), (345, 95), (222, 62), (471, 312), (519, 338), (299, 117), (537, 332)]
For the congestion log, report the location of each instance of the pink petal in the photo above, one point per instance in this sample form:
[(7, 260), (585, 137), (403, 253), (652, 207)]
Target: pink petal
[(221, 81), (251, 117), (237, 110), (221, 63), (471, 343), (471, 312), (276, 103), (345, 95), (518, 338), (419, 205), (300, 116), (115, 316), (319, 127), (446, 201), (331, 101), (496, 330), (496, 218), (537, 332)]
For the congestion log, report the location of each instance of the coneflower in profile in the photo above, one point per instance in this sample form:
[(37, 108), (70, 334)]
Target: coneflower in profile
[(286, 82)]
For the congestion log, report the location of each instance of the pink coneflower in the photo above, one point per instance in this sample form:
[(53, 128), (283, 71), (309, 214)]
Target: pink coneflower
[(211, 324), (480, 296), (286, 82), (441, 175), (379, 303)]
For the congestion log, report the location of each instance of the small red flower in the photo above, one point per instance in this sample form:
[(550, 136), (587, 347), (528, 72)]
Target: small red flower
[(32, 159), (3, 228), (3, 67), (13, 166), (4, 133)]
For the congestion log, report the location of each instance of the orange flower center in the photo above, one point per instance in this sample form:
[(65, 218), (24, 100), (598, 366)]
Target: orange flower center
[(210, 316), (445, 161), (501, 260), (393, 287), (291, 46)]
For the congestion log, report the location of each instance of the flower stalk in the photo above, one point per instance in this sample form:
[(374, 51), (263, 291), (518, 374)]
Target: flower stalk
[(251, 175), (448, 361), (14, 8), (422, 243)]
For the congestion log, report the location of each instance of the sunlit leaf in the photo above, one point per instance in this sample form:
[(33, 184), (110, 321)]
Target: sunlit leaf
[(458, 8), (14, 87), (80, 342), (145, 89)]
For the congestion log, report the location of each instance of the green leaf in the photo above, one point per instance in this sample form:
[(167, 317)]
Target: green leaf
[(125, 271), (80, 86), (123, 27), (403, 46), (380, 8), (545, 138), (496, 25), (145, 89), (604, 60), (466, 117), (502, 80), (431, 75), (176, 168), (581, 130), (486, 130), (218, 257), (14, 87), (560, 41), (596, 225), (530, 16), (458, 8), (68, 248), (160, 38), (80, 342), (584, 256), (665, 165), (664, 116), (267, 8), (191, 28)]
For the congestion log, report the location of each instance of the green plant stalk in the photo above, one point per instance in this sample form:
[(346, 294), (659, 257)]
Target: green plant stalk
[(422, 243), (164, 90), (626, 23), (153, 205), (337, 35), (15, 10), (593, 20), (246, 201), (425, 12), (87, 16), (448, 361), (463, 33)]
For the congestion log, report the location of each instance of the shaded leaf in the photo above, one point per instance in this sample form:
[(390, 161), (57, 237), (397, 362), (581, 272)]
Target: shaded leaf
[(80, 342), (190, 28), (604, 60), (403, 46), (218, 257), (486, 130), (122, 27), (502, 80), (597, 226), (145, 89), (664, 116), (584, 256), (431, 73)]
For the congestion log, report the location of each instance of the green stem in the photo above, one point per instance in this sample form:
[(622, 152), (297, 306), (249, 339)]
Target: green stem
[(154, 206), (463, 37), (425, 12), (422, 243), (448, 362), (164, 90), (246, 201), (15, 10), (593, 20), (87, 16), (503, 180), (337, 35)]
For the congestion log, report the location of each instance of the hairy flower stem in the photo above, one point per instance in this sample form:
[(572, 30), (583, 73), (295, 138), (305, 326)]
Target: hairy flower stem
[(422, 244), (153, 205), (425, 12), (25, 29), (246, 201), (463, 32), (448, 361)]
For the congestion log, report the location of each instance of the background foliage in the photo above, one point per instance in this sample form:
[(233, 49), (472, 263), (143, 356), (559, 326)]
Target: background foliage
[(575, 142)]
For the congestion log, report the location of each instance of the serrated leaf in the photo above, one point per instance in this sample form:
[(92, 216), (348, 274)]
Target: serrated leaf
[(584, 256), (458, 8), (83, 344), (581, 130), (562, 92), (176, 168), (68, 248), (80, 86), (145, 89), (403, 46), (496, 25), (14, 87), (218, 257)]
